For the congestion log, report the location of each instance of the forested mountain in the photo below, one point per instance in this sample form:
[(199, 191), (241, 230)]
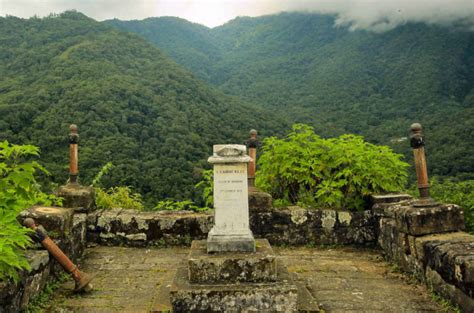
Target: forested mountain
[(133, 105), (374, 84)]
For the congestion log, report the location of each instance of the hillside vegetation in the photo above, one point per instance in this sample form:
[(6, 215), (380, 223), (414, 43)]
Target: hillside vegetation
[(133, 105), (339, 81)]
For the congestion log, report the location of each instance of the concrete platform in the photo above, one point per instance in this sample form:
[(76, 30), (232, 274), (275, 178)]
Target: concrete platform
[(335, 279), (278, 296), (232, 267)]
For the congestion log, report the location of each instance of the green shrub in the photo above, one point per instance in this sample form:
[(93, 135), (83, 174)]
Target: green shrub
[(207, 187), (118, 197), (115, 197), (342, 172), (18, 191), (170, 205)]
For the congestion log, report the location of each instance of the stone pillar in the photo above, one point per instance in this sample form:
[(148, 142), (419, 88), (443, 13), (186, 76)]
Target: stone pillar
[(417, 143), (81, 198), (252, 144), (231, 231), (73, 154)]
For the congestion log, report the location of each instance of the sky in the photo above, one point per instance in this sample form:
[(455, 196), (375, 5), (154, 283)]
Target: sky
[(376, 15)]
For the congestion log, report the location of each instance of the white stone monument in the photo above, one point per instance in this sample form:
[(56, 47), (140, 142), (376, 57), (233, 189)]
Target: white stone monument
[(231, 231)]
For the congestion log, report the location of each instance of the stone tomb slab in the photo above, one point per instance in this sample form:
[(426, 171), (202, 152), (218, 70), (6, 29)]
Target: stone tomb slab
[(278, 296), (232, 267)]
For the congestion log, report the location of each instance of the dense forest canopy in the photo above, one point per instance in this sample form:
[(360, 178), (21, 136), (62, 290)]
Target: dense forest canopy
[(157, 121), (133, 105), (337, 80)]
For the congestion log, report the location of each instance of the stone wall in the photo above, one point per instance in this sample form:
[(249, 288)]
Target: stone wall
[(430, 244), (120, 227), (68, 230), (281, 226)]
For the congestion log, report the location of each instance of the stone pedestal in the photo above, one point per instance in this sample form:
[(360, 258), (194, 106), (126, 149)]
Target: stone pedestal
[(57, 221), (233, 282), (80, 198), (259, 201), (232, 267), (232, 272), (231, 231)]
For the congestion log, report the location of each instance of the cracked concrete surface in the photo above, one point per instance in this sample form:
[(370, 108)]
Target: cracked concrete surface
[(338, 279)]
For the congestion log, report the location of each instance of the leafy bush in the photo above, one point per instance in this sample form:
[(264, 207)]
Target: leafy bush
[(342, 172), (18, 190), (170, 205), (207, 186), (460, 193), (115, 197), (118, 197)]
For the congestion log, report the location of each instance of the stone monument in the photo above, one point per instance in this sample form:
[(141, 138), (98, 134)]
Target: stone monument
[(231, 231), (232, 271)]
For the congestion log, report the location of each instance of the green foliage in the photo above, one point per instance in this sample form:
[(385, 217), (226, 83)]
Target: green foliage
[(96, 181), (133, 105), (341, 172), (18, 191), (337, 80), (118, 197), (456, 192), (115, 197), (170, 205), (40, 303), (206, 185)]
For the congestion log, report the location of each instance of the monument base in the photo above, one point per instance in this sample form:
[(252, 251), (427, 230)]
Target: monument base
[(80, 198), (230, 243), (278, 296), (232, 267)]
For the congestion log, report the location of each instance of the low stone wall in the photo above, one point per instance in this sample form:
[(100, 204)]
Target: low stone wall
[(429, 243), (281, 226), (68, 230), (119, 227), (300, 226)]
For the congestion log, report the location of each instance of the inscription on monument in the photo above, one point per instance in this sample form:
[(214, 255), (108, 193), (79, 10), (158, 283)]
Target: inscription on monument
[(231, 230)]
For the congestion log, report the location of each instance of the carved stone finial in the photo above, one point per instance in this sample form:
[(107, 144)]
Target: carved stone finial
[(416, 136), (230, 151), (252, 142), (73, 136)]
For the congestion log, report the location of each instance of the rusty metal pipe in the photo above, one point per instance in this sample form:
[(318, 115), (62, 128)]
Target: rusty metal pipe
[(73, 154), (82, 279), (252, 144), (417, 142)]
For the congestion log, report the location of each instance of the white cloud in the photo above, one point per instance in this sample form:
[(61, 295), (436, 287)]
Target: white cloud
[(377, 15)]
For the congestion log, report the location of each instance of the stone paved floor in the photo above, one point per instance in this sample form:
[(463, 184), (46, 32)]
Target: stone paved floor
[(341, 280)]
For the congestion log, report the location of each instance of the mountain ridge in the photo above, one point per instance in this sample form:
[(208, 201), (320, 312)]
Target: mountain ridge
[(341, 81), (134, 106)]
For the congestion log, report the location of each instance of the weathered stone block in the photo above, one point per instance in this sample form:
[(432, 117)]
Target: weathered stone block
[(230, 243), (57, 221), (449, 291), (259, 201), (390, 198), (81, 198), (423, 221), (38, 276), (278, 296), (229, 267), (453, 260)]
